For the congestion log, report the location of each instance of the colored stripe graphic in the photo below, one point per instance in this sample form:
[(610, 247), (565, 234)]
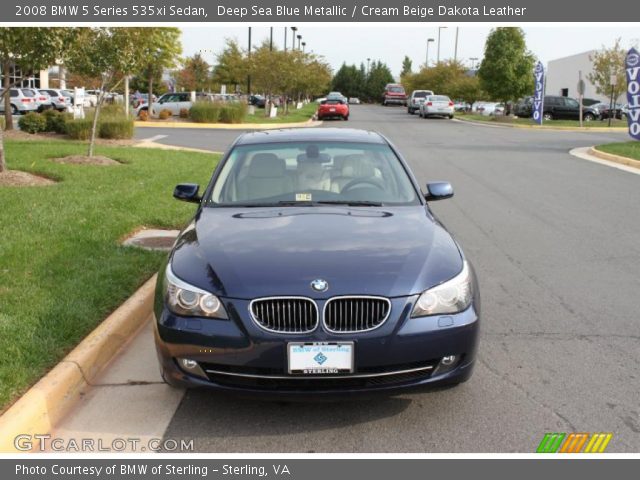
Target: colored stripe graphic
[(556, 442)]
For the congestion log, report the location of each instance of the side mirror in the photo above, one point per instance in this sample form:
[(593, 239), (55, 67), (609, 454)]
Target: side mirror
[(438, 191), (187, 192)]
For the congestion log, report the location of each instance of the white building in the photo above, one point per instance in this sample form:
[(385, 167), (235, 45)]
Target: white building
[(563, 74)]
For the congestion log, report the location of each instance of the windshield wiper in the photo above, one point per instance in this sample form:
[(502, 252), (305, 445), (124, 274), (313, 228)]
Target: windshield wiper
[(293, 203), (350, 203)]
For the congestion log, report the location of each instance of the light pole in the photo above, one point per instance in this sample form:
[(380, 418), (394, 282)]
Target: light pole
[(439, 30), (304, 44), (455, 51), (473, 62), (285, 39), (271, 39), (299, 40), (368, 60), (249, 75), (429, 41), (293, 39)]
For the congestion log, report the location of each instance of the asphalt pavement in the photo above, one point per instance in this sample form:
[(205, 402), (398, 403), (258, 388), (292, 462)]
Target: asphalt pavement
[(556, 243)]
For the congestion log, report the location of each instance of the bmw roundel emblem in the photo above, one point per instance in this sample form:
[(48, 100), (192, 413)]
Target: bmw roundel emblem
[(320, 285)]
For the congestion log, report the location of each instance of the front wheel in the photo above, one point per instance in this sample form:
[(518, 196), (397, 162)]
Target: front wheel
[(450, 117), (547, 116), (589, 117), (14, 110), (346, 117)]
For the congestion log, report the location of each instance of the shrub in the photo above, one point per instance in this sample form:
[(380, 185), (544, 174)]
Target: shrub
[(32, 123), (112, 110), (79, 129), (233, 112), (164, 114), (205, 112), (56, 121), (143, 116), (184, 113), (115, 128)]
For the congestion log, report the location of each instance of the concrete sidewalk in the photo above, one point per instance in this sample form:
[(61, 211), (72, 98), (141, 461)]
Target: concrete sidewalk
[(128, 403)]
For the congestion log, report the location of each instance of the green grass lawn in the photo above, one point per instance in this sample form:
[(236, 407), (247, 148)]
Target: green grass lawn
[(294, 116), (624, 149), (529, 121), (62, 270)]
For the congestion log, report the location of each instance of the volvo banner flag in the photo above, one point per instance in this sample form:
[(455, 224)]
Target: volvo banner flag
[(538, 96), (632, 67)]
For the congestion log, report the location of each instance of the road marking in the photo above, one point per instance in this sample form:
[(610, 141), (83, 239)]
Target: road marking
[(154, 138), (583, 153)]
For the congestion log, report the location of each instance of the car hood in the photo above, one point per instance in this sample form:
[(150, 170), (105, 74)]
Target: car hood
[(260, 252)]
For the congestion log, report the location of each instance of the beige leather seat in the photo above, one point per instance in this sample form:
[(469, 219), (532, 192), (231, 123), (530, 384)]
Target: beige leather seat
[(355, 166), (266, 178), (311, 173)]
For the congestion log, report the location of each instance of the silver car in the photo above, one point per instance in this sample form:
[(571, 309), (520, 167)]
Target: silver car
[(59, 100), (436, 105), (22, 101), (43, 100)]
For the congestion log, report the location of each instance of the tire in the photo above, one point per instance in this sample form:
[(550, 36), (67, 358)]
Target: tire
[(14, 110), (589, 117), (346, 118), (450, 117), (409, 111), (547, 116)]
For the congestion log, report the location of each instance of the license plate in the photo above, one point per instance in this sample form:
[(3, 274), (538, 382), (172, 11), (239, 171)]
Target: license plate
[(320, 358), (332, 109)]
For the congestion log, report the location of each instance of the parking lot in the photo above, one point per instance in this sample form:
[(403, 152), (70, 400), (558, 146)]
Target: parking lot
[(554, 239)]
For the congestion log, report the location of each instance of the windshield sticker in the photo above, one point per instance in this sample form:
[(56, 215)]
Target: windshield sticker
[(303, 197)]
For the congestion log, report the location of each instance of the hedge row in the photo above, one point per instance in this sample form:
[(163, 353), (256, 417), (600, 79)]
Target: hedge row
[(112, 124), (216, 112)]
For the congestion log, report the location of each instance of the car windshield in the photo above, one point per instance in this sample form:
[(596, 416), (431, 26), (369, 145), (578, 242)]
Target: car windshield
[(438, 98), (420, 94), (313, 173), (396, 89)]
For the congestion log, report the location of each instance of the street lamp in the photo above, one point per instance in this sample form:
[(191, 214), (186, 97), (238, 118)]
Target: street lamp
[(285, 39), (368, 60), (439, 30), (249, 75), (473, 62), (293, 40), (304, 44), (299, 40), (429, 40)]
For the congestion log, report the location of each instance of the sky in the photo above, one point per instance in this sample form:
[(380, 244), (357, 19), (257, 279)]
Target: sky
[(355, 43)]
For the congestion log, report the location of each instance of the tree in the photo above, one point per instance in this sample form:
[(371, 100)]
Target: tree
[(406, 66), (27, 51), (379, 76), (194, 74), (506, 71), (108, 53), (607, 62), (161, 49), (350, 81), (233, 65)]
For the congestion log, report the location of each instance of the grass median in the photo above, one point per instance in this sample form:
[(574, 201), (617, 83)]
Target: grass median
[(548, 123), (62, 269), (294, 116), (624, 149)]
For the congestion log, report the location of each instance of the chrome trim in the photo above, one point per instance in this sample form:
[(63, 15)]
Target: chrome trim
[(302, 332), (340, 332), (332, 377)]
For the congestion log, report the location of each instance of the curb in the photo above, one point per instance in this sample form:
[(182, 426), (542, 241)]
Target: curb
[(49, 400), (544, 127), (614, 158), (221, 126)]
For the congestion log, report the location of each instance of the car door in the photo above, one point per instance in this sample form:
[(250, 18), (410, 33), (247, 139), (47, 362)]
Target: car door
[(184, 102), (571, 109)]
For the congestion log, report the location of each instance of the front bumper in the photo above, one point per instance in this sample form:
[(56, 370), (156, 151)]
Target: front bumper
[(396, 100), (237, 356)]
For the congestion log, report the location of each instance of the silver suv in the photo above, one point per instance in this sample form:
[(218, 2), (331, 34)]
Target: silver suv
[(22, 101), (59, 100), (416, 98)]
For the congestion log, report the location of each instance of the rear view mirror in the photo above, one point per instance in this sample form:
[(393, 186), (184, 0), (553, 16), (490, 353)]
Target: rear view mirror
[(187, 192), (438, 191)]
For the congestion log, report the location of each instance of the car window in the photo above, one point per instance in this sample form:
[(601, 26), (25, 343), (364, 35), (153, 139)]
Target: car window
[(439, 98), (396, 89), (312, 172), (14, 93), (570, 102), (419, 94), (28, 93)]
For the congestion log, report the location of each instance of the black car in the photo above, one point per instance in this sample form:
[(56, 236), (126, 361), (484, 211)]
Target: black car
[(565, 108), (605, 111), (257, 101), (314, 266)]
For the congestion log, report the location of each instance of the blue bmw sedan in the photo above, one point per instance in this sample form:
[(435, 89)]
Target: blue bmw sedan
[(314, 266)]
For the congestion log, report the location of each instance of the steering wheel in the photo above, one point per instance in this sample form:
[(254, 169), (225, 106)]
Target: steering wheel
[(362, 181)]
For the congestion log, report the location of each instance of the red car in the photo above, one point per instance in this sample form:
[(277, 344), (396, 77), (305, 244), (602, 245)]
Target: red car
[(394, 93), (333, 108)]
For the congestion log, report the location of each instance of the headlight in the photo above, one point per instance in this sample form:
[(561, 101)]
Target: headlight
[(187, 300), (452, 296)]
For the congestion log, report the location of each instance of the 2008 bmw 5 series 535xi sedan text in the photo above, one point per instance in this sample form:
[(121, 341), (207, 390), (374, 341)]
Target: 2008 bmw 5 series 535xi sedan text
[(314, 266)]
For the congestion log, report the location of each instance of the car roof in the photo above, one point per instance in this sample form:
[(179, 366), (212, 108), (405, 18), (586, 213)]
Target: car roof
[(311, 135)]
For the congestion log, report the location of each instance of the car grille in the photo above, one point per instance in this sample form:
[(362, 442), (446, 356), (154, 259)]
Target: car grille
[(285, 314), (355, 314)]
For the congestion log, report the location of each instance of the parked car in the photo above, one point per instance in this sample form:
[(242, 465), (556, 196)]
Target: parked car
[(42, 99), (333, 108), (289, 282), (436, 106), (394, 94), (354, 101), (605, 110), (565, 108), (587, 102), (461, 106), (59, 100), (174, 102), (257, 101), (91, 97), (524, 107), (417, 96), (490, 109), (22, 101)]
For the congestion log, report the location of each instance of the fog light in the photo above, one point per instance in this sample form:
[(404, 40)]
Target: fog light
[(447, 363), (188, 363), (191, 367)]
